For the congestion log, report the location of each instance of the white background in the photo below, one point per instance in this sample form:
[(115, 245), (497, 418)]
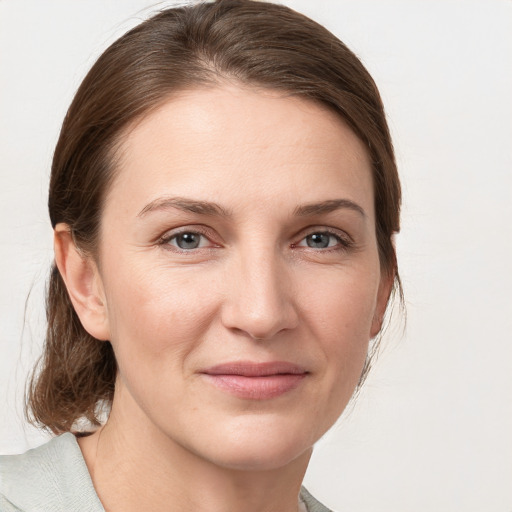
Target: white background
[(432, 429)]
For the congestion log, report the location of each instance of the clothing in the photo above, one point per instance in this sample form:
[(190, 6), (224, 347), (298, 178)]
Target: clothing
[(55, 478)]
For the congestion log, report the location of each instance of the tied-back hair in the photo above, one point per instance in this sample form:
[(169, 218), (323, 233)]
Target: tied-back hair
[(249, 43)]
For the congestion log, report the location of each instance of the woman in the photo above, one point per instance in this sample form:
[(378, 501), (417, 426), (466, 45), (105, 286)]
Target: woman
[(224, 197)]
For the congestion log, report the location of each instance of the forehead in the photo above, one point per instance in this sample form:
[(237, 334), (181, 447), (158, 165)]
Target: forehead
[(228, 141)]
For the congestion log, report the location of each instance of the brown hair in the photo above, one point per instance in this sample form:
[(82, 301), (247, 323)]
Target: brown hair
[(249, 42)]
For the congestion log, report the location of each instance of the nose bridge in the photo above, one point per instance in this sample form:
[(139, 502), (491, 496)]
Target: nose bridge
[(260, 299)]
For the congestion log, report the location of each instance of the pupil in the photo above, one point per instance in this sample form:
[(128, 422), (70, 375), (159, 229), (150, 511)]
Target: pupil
[(318, 240), (188, 241)]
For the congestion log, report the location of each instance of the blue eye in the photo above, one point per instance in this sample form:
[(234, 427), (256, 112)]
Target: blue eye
[(322, 240), (188, 240), (319, 240)]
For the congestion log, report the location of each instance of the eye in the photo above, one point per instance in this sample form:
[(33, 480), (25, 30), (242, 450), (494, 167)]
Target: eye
[(187, 240), (323, 240)]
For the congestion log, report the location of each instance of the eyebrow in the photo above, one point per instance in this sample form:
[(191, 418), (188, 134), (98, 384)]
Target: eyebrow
[(214, 209), (184, 204), (328, 206)]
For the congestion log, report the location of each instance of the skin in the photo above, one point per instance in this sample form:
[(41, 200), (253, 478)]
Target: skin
[(253, 290)]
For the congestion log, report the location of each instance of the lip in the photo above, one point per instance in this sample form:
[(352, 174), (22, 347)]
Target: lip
[(255, 381)]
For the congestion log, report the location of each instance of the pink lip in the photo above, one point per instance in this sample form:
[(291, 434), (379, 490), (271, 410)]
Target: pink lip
[(255, 381)]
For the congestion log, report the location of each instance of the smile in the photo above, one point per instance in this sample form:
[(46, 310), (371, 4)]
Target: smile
[(255, 381)]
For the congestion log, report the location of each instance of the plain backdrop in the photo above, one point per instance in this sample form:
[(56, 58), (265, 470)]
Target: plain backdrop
[(431, 430)]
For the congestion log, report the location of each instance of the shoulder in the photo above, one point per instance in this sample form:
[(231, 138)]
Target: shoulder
[(312, 504), (52, 477)]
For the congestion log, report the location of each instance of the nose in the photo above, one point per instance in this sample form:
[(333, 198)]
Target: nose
[(260, 299)]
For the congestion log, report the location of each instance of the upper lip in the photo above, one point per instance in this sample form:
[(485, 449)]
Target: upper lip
[(255, 369)]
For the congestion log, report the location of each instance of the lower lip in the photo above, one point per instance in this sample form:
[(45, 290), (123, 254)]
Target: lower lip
[(257, 388)]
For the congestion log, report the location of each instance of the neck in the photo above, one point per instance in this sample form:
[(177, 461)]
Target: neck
[(137, 467)]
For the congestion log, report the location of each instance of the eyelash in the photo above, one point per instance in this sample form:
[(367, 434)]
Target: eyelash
[(344, 242), (167, 238)]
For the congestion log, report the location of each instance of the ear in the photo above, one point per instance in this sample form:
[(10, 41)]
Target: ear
[(83, 282), (385, 286)]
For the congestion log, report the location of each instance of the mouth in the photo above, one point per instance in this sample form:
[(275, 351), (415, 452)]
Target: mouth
[(255, 381)]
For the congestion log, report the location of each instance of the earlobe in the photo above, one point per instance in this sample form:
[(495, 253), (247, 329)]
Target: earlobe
[(83, 282)]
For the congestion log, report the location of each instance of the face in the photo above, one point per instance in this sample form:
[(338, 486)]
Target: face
[(240, 274)]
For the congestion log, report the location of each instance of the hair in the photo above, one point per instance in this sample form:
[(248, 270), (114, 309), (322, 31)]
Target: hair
[(246, 42)]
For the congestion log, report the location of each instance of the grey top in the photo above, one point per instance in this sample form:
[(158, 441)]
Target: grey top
[(55, 478)]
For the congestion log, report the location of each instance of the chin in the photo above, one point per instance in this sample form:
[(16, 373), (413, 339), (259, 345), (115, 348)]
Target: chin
[(259, 445), (253, 458)]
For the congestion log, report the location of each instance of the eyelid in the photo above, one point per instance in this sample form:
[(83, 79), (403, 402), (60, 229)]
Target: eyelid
[(196, 229), (346, 241)]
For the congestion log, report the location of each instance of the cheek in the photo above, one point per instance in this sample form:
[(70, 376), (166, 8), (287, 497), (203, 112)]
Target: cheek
[(156, 317), (341, 303), (340, 318)]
